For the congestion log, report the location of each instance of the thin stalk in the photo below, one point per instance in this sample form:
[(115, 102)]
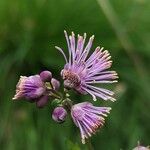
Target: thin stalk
[(89, 145)]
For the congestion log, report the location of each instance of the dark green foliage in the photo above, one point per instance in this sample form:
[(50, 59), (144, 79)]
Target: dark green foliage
[(29, 30)]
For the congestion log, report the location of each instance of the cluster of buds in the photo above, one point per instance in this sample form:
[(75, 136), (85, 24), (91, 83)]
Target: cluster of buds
[(80, 73), (37, 88)]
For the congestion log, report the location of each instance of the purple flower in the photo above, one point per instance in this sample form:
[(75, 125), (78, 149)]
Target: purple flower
[(82, 71), (141, 148), (31, 87), (59, 114), (88, 118)]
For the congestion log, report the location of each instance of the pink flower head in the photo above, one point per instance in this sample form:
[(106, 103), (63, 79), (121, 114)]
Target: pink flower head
[(31, 87), (88, 118), (82, 71)]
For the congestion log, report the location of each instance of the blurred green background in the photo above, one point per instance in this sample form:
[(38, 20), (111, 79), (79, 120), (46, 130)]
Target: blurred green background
[(29, 30)]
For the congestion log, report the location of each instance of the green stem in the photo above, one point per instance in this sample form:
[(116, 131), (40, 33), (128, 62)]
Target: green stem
[(55, 95), (89, 145)]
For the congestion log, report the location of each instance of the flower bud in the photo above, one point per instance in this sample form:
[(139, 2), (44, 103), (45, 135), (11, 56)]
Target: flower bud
[(59, 114), (42, 101), (55, 83), (30, 88), (46, 76)]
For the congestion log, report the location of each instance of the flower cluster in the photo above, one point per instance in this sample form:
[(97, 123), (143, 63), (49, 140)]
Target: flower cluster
[(37, 88), (82, 72)]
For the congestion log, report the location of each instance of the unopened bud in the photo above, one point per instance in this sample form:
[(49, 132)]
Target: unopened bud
[(42, 101), (46, 76), (59, 114), (55, 84)]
